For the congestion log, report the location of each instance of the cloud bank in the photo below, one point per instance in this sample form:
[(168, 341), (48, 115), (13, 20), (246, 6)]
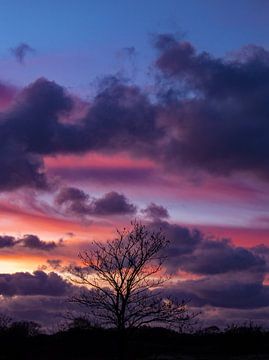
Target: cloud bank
[(210, 114)]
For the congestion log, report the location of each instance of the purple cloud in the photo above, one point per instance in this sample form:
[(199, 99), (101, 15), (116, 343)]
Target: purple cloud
[(33, 242), (38, 283), (113, 203), (221, 110), (7, 241), (218, 106), (80, 203), (156, 212), (24, 130), (28, 241), (75, 200), (222, 291), (46, 310), (192, 251), (32, 128)]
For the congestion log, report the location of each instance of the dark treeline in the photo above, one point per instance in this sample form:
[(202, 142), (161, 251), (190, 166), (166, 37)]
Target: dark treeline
[(80, 340)]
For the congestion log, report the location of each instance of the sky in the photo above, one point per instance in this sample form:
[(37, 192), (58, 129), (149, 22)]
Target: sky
[(156, 111)]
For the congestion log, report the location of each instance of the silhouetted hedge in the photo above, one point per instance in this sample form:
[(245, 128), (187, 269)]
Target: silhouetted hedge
[(81, 341)]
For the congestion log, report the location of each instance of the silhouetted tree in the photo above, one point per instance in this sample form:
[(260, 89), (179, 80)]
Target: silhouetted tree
[(81, 323), (123, 281), (5, 321), (25, 328), (247, 327)]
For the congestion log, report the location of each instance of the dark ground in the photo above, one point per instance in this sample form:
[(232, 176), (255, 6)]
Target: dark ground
[(148, 343)]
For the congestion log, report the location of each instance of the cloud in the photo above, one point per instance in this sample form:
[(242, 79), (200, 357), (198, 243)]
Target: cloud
[(220, 256), (20, 52), (182, 240), (121, 118), (27, 241), (20, 169), (75, 200), (38, 283), (156, 212), (24, 131), (220, 114), (78, 202), (46, 310), (32, 128), (113, 203), (34, 120), (210, 115), (33, 242), (7, 241), (222, 291), (196, 253)]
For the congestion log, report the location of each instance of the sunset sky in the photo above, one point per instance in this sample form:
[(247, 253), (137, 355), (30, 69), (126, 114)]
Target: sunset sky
[(152, 110)]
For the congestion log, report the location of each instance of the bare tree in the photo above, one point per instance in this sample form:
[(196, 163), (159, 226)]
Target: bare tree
[(5, 322), (123, 279)]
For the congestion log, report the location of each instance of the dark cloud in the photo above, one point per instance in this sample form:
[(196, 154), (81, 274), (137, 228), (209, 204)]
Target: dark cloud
[(24, 132), (20, 169), (154, 211), (27, 241), (223, 291), (121, 117), (78, 202), (222, 110), (46, 310), (211, 115), (113, 203), (194, 252), (182, 241), (220, 256), (20, 52), (7, 241), (38, 283), (33, 122), (75, 200), (33, 242)]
